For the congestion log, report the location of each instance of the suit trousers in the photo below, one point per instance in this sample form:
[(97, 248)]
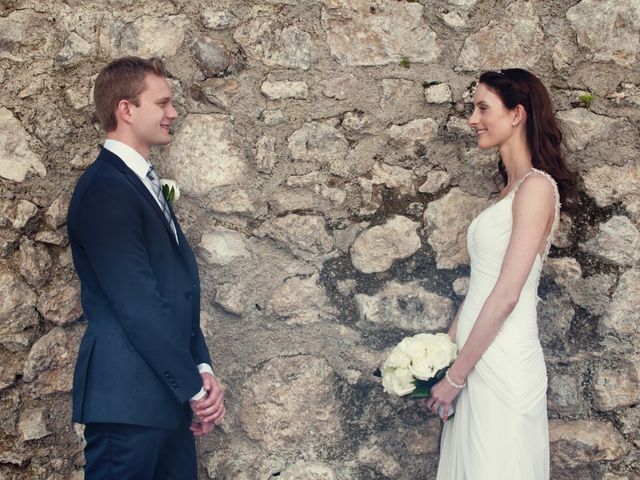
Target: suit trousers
[(117, 451)]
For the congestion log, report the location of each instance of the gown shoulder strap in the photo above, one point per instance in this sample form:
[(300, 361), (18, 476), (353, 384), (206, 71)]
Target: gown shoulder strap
[(556, 210)]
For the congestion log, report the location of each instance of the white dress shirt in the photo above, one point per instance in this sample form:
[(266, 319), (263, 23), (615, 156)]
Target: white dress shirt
[(140, 166)]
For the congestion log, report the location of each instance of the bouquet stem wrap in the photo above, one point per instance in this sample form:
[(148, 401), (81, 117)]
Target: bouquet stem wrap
[(423, 387)]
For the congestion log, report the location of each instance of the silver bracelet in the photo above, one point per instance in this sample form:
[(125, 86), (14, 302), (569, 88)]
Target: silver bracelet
[(454, 384)]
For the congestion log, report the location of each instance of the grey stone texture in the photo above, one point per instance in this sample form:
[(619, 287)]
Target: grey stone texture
[(328, 178), (609, 184), (446, 220), (617, 242), (617, 386), (306, 392), (211, 57), (24, 213), (358, 36), (219, 92), (590, 138), (32, 425), (409, 307), (301, 301), (17, 305), (205, 154), (280, 90), (60, 304), (74, 50), (318, 143), (503, 41), (145, 36), (616, 38), (622, 321), (377, 248), (35, 263), (439, 93), (274, 45), (49, 365), (17, 159), (222, 246), (563, 393), (579, 442), (304, 235)]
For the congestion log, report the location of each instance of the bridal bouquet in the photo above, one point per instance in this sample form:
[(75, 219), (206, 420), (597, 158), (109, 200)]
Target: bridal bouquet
[(417, 363)]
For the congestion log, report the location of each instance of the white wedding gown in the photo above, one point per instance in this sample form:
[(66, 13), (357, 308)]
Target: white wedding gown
[(500, 429)]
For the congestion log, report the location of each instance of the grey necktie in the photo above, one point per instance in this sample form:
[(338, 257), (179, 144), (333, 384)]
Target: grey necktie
[(157, 189)]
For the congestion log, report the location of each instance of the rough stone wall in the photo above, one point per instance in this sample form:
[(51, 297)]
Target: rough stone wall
[(328, 177)]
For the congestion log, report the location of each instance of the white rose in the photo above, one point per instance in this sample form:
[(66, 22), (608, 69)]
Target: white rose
[(398, 381), (438, 352), (442, 352), (423, 338), (171, 184), (415, 349), (423, 370), (404, 344), (397, 358)]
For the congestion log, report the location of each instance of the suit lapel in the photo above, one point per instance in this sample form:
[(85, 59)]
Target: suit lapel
[(115, 161), (185, 250)]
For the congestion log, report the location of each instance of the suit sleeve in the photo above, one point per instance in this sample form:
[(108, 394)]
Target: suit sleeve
[(199, 344), (109, 229), (202, 351)]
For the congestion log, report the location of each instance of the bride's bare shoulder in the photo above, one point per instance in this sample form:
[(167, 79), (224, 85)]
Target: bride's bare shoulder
[(537, 192)]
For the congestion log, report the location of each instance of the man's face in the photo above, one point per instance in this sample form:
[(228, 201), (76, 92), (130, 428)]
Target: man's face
[(151, 120)]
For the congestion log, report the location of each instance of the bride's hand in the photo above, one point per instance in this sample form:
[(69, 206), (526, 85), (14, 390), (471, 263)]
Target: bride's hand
[(442, 394)]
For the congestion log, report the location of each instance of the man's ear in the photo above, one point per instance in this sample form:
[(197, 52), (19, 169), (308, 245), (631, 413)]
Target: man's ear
[(519, 115), (123, 111)]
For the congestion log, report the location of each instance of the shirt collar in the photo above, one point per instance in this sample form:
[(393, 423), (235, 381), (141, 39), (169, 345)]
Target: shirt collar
[(129, 156)]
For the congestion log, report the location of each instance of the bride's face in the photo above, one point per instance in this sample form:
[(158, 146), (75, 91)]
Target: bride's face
[(491, 120)]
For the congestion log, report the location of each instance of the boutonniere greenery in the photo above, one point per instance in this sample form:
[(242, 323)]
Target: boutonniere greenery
[(170, 191)]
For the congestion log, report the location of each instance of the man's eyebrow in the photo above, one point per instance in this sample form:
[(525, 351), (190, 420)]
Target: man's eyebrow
[(164, 99)]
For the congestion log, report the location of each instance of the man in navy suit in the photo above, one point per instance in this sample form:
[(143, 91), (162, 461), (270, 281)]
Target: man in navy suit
[(143, 382)]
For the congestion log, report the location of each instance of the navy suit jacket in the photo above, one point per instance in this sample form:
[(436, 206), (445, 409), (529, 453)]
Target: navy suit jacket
[(137, 362)]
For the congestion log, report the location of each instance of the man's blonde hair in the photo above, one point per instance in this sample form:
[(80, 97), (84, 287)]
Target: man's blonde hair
[(122, 79)]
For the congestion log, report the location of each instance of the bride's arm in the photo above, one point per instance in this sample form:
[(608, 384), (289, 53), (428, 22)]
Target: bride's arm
[(533, 209), (453, 328)]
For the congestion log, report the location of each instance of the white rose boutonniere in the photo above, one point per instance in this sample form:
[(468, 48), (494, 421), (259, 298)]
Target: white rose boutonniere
[(417, 363), (170, 191)]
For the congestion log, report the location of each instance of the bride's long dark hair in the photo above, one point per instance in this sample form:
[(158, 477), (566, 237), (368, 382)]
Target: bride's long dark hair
[(516, 86)]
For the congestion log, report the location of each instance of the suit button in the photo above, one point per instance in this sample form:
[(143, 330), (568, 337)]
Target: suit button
[(187, 294), (193, 334)]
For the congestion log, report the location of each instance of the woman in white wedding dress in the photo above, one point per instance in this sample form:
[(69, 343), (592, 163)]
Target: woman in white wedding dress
[(500, 428)]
